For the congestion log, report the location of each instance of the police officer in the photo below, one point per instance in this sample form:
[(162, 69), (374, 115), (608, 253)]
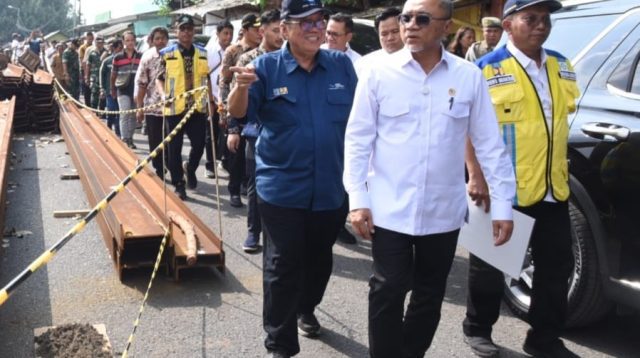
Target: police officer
[(183, 67), (533, 90), (491, 31)]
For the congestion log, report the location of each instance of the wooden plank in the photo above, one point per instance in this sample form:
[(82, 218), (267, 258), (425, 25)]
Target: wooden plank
[(69, 176), (70, 213)]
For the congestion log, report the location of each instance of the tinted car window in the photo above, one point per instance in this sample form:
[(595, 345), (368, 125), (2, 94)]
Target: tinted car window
[(563, 36), (626, 77), (365, 39)]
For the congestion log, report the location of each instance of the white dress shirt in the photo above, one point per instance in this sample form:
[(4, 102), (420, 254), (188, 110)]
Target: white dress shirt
[(353, 56), (405, 142), (538, 76), (370, 59), (215, 53)]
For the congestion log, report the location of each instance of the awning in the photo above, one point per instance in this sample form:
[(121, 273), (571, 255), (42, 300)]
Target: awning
[(215, 5), (114, 29)]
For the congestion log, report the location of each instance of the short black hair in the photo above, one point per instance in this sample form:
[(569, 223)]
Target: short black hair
[(88, 33), (116, 43), (386, 14), (270, 16), (224, 24), (347, 20), (156, 29)]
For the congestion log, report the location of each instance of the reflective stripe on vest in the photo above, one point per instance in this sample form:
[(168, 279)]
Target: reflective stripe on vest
[(539, 153)]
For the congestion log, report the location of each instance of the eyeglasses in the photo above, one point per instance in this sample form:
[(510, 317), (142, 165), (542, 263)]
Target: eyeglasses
[(335, 34), (308, 25), (533, 20), (423, 19)]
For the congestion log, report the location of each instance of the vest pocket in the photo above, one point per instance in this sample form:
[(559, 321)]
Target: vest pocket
[(524, 174), (505, 99)]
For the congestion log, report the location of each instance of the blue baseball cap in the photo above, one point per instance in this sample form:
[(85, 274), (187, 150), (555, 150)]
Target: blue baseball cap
[(513, 6), (297, 9)]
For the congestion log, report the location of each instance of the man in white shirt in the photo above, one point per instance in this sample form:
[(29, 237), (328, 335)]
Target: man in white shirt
[(388, 28), (215, 52), (404, 173), (339, 33)]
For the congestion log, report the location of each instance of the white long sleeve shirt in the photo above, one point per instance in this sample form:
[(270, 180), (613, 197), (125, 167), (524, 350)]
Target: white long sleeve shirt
[(405, 142), (215, 53)]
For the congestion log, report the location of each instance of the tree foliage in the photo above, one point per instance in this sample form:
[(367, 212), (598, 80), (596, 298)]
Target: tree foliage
[(46, 15), (167, 6)]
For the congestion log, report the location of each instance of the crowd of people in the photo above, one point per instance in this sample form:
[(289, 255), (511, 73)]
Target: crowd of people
[(315, 133)]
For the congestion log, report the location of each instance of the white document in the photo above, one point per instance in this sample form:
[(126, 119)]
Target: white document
[(477, 237)]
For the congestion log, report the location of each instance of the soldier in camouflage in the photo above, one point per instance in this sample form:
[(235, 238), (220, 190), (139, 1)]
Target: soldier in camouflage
[(93, 68), (491, 31)]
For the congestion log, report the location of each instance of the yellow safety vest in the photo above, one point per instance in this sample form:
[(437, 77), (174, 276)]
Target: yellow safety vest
[(538, 152), (175, 80)]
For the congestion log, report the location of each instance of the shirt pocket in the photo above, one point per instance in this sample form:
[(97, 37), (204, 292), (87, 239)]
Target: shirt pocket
[(395, 123), (458, 110), (506, 99), (280, 111), (340, 106)]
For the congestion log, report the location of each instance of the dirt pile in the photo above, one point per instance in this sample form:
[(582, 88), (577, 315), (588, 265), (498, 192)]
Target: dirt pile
[(72, 340)]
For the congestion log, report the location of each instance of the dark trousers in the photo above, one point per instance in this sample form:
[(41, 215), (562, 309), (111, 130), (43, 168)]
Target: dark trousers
[(113, 120), (86, 93), (195, 130), (551, 252), (254, 225), (210, 140), (297, 263), (155, 137), (236, 168), (403, 263)]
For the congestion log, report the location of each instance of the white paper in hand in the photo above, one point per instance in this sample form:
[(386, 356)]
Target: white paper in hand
[(477, 237)]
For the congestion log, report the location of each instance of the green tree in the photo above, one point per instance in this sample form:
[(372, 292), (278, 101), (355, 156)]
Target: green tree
[(167, 6), (27, 15)]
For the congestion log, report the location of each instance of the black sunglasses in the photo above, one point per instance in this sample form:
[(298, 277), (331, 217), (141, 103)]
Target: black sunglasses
[(423, 19)]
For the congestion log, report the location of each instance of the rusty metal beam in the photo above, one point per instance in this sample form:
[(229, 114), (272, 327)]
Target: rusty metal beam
[(6, 128), (133, 225)]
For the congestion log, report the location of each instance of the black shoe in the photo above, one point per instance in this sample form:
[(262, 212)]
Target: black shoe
[(482, 346), (308, 325), (555, 349), (235, 201), (345, 237), (192, 181), (182, 194)]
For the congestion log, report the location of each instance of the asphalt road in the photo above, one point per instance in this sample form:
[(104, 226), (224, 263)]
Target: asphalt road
[(206, 314)]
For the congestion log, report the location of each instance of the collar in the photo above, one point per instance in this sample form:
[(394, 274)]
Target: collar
[(524, 60), (403, 56), (291, 64), (182, 48)]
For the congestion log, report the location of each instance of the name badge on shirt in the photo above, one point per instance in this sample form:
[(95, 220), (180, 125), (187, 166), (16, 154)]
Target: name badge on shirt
[(501, 80), (280, 91), (565, 73), (336, 86)]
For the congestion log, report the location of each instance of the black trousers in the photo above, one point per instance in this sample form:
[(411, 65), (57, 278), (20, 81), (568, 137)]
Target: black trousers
[(237, 168), (553, 258), (297, 264), (195, 130), (403, 263), (254, 226), (155, 137), (210, 140)]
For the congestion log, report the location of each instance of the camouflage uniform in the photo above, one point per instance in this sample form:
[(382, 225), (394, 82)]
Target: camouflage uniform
[(93, 64), (231, 56), (477, 50), (70, 57)]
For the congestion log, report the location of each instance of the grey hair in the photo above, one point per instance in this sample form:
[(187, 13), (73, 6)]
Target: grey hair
[(447, 7)]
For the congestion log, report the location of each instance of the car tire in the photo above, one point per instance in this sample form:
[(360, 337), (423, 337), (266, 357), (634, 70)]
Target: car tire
[(587, 302)]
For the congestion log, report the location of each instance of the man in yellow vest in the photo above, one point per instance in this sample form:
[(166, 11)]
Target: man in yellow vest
[(533, 90), (184, 67)]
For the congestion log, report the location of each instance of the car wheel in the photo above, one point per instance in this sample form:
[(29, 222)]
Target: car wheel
[(586, 297)]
